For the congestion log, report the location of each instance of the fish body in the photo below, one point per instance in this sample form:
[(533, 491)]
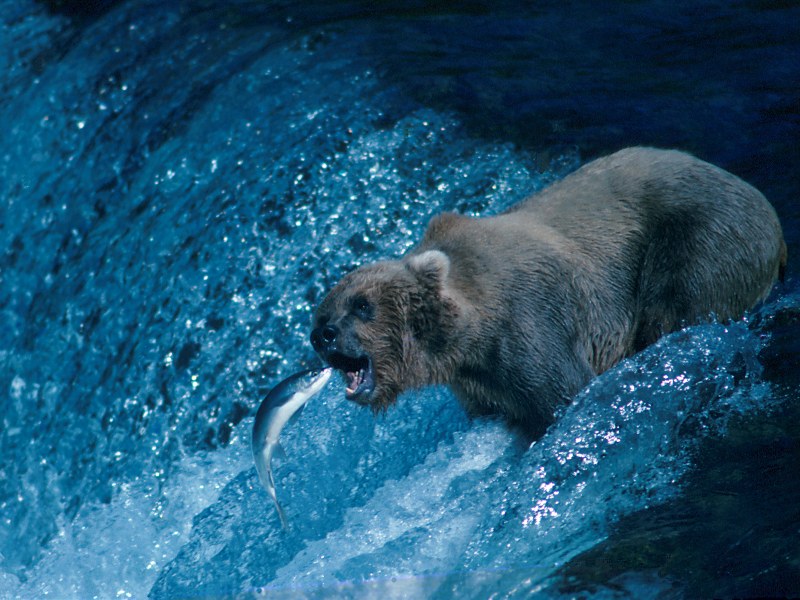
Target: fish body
[(280, 405)]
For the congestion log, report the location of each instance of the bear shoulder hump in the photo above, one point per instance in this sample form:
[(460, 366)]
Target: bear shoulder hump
[(443, 225)]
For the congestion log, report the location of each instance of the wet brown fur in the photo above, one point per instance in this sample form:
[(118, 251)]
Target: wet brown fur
[(517, 312)]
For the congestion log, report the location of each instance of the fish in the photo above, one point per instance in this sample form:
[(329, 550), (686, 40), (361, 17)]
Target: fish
[(283, 402)]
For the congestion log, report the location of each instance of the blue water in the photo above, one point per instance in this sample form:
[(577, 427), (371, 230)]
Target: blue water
[(182, 182)]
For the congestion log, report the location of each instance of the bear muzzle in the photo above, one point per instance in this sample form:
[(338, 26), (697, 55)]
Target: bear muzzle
[(348, 357), (324, 339)]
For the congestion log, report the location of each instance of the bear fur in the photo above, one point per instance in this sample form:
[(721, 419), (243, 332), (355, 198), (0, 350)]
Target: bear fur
[(517, 312)]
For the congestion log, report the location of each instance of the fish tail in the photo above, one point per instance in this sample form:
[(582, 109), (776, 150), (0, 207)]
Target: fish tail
[(274, 494), (264, 469), (284, 522)]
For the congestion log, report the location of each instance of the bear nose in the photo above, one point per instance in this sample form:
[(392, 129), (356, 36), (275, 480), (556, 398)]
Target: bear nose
[(322, 338)]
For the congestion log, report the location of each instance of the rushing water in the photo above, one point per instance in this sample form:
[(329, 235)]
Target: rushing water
[(182, 182)]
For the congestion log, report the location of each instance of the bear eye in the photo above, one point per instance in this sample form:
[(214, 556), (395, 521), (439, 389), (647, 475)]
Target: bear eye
[(361, 308)]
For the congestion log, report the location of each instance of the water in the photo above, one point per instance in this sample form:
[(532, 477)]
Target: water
[(182, 183)]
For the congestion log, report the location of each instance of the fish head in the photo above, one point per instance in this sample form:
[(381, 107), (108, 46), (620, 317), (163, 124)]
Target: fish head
[(311, 382)]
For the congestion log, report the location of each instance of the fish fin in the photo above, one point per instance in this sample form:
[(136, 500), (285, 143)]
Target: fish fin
[(279, 452), (296, 415)]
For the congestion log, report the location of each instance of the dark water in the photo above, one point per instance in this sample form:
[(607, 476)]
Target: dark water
[(182, 182)]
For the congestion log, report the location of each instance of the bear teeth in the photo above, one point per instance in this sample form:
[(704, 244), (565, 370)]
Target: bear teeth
[(354, 380)]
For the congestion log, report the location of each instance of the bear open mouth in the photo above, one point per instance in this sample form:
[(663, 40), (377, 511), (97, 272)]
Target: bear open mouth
[(359, 377)]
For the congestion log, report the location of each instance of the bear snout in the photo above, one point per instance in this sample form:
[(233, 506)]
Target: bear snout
[(324, 338)]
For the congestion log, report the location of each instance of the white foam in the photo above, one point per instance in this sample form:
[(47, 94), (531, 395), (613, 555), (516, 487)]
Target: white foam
[(117, 550)]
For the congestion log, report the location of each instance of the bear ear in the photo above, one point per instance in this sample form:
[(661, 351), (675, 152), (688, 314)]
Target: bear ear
[(431, 264)]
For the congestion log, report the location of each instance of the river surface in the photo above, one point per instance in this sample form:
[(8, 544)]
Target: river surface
[(181, 183)]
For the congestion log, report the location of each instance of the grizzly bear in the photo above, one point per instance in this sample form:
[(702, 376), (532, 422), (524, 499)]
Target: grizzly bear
[(517, 312)]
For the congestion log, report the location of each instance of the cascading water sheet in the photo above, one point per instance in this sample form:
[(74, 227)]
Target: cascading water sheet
[(181, 184)]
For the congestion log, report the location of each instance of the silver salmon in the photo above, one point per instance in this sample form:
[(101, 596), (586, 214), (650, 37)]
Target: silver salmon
[(281, 404)]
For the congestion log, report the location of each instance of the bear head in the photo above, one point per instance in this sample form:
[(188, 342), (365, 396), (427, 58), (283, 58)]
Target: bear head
[(387, 326)]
